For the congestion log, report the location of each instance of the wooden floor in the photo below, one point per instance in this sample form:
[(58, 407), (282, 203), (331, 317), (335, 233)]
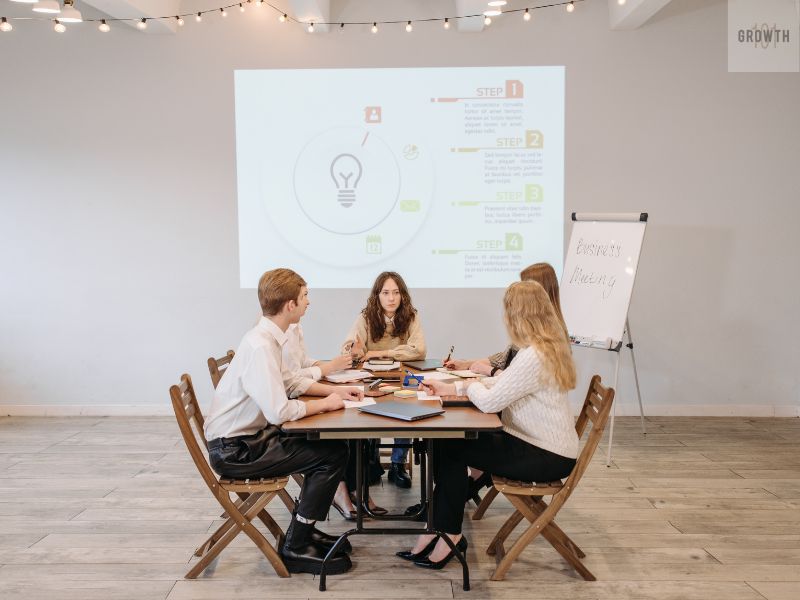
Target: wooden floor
[(112, 508)]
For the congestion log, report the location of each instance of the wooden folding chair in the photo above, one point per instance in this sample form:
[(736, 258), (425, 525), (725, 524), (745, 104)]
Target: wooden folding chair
[(254, 495), (527, 498), (217, 368)]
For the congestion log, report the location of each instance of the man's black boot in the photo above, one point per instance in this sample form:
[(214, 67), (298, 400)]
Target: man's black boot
[(323, 539), (301, 555), (398, 475)]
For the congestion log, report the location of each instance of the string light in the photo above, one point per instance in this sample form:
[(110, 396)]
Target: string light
[(69, 14)]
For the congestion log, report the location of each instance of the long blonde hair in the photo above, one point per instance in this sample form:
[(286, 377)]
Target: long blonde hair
[(531, 320), (545, 274)]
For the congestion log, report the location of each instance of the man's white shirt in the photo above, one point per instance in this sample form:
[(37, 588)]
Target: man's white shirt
[(252, 392)]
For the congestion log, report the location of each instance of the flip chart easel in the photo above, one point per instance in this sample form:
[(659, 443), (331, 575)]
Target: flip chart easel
[(596, 286)]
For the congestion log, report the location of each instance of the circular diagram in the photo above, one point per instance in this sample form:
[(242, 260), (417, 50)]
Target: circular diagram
[(346, 180), (350, 196)]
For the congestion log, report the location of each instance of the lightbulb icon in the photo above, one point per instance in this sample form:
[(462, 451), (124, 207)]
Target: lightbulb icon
[(346, 173)]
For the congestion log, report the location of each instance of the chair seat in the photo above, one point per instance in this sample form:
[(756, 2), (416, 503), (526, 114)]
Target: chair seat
[(526, 488), (253, 486)]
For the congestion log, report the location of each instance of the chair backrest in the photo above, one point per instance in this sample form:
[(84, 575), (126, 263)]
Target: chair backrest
[(218, 366), (187, 412), (596, 409)]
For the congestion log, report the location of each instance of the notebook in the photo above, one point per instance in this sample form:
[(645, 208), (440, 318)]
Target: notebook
[(402, 410), (429, 364)]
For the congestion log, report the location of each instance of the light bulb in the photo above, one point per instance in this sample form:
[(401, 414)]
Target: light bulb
[(199, 17), (447, 23), (409, 27), (341, 27), (570, 7), (241, 7), (310, 28), (104, 27), (179, 21), (374, 28), (343, 169), (283, 18), (59, 28), (487, 21), (527, 15), (5, 26), (142, 24), (259, 3), (223, 12)]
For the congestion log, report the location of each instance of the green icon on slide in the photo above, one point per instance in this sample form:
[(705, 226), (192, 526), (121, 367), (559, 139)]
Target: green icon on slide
[(513, 242), (374, 244), (534, 193), (409, 205)]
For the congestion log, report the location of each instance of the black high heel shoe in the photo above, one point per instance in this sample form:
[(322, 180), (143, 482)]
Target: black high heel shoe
[(408, 555), (426, 563), (349, 515)]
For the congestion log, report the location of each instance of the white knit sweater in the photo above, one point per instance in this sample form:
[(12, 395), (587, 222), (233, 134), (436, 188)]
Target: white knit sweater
[(534, 409)]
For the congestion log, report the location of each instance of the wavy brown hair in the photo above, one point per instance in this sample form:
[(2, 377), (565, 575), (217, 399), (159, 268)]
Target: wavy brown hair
[(373, 313), (531, 320), (545, 275)]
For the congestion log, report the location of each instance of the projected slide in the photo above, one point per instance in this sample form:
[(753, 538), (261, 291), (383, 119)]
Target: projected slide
[(453, 177)]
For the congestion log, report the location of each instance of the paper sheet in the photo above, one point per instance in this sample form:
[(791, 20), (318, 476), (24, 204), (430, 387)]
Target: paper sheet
[(347, 375), (355, 403), (378, 368), (424, 396), (435, 375)]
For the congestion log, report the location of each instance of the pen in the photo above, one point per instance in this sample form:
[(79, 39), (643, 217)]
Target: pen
[(449, 354)]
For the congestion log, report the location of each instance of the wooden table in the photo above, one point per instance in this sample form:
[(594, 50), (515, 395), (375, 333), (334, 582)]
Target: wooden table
[(352, 424)]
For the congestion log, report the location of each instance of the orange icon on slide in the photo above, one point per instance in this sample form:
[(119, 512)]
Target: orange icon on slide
[(372, 114), (514, 89)]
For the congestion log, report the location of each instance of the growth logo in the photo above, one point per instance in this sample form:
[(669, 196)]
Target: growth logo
[(763, 36)]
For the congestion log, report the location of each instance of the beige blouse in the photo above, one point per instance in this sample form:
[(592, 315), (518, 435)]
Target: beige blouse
[(408, 347)]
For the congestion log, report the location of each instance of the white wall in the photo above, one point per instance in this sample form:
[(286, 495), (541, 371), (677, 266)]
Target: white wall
[(118, 231)]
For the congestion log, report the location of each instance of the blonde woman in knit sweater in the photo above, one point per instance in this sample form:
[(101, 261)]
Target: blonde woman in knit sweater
[(538, 441), (388, 327)]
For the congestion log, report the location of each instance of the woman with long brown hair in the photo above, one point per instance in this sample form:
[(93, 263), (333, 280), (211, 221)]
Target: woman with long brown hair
[(388, 327), (538, 441)]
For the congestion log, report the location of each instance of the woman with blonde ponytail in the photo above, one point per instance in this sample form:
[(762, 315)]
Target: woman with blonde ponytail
[(538, 441)]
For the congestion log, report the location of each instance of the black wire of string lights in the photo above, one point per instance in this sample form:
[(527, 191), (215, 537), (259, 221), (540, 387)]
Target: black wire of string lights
[(284, 17)]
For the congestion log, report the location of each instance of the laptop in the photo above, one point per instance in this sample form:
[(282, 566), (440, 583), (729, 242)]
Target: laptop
[(401, 410), (429, 364)]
